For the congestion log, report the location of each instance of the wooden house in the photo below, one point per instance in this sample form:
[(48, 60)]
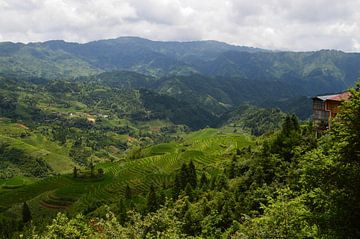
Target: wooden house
[(325, 108)]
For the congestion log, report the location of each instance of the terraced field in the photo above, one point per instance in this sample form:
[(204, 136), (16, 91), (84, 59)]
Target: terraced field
[(35, 145), (60, 193)]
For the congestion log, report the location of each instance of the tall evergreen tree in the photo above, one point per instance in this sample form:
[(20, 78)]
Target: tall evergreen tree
[(26, 213), (91, 168), (162, 198), (290, 124), (177, 187), (287, 139), (75, 172), (232, 168), (226, 215), (189, 191), (122, 212), (128, 192), (183, 175), (8, 226), (212, 183), (152, 202), (192, 177), (295, 123), (222, 183), (287, 125), (203, 180)]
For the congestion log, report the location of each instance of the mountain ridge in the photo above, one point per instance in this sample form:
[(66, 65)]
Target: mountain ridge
[(210, 73)]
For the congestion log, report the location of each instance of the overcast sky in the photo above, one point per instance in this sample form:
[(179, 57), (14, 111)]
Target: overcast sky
[(271, 24)]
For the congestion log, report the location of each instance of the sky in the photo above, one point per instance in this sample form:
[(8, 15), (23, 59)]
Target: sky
[(298, 25)]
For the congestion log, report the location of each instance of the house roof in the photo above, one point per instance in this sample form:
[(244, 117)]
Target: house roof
[(335, 97)]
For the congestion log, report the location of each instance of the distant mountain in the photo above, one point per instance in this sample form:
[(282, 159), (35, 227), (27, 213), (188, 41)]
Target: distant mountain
[(211, 74), (37, 60), (326, 69), (53, 59)]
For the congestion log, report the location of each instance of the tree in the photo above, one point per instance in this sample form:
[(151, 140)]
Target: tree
[(192, 177), (331, 174), (188, 223), (152, 202), (226, 215), (288, 138), (128, 192), (189, 191), (290, 124), (183, 175), (100, 172), (203, 181), (213, 181), (177, 187), (222, 182), (26, 213), (162, 198), (91, 168), (8, 226), (63, 227), (75, 172), (347, 127), (122, 212), (284, 217), (346, 180), (232, 168)]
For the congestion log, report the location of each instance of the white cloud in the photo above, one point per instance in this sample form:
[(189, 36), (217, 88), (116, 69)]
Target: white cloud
[(274, 24)]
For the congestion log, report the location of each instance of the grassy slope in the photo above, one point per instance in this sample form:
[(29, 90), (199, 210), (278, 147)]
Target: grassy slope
[(36, 146), (157, 167), (44, 110)]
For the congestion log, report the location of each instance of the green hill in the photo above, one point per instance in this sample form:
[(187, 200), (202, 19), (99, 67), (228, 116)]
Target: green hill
[(156, 166)]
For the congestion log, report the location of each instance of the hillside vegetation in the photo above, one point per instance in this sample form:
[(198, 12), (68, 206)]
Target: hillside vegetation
[(210, 183), (131, 138), (61, 124), (213, 184)]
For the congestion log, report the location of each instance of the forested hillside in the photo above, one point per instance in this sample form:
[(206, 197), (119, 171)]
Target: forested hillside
[(132, 138), (212, 183), (217, 95)]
